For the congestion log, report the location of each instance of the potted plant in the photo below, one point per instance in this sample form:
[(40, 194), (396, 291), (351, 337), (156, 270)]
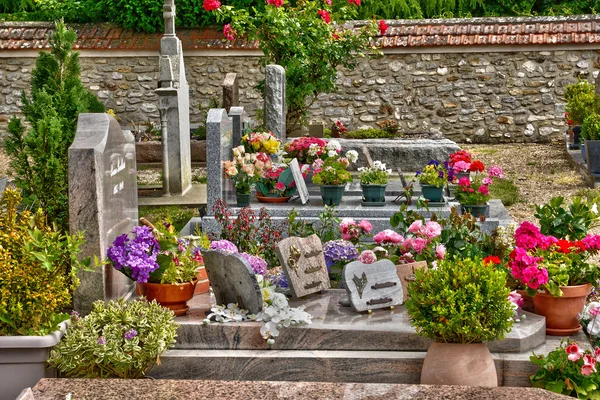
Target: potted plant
[(473, 193), (581, 102), (244, 171), (459, 305), (276, 184), (331, 175), (306, 149), (38, 267), (118, 339), (433, 179), (373, 181), (590, 133), (164, 266), (557, 274), (459, 163)]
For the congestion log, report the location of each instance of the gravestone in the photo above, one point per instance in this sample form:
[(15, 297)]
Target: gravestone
[(218, 149), (367, 155), (240, 124), (233, 280), (275, 105), (299, 180), (231, 91), (372, 286), (406, 273), (103, 201), (303, 264), (174, 106), (316, 130)]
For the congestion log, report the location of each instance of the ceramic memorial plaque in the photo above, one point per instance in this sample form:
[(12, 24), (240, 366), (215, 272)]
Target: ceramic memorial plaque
[(233, 280), (372, 286), (304, 264), (299, 179), (406, 273)]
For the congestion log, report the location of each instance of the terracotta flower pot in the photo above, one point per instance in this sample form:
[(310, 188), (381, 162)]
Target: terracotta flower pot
[(273, 199), (459, 364), (203, 284), (562, 312), (173, 297)]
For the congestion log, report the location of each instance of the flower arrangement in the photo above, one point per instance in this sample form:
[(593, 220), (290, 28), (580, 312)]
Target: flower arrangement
[(569, 370), (306, 149), (155, 255), (353, 231), (277, 181), (378, 174), (333, 171), (261, 142), (422, 245), (461, 162), (246, 168), (545, 262), (434, 174), (476, 191), (257, 263), (118, 339)]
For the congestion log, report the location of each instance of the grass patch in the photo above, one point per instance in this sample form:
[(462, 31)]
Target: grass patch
[(372, 133), (199, 179), (486, 152), (178, 216), (505, 190)]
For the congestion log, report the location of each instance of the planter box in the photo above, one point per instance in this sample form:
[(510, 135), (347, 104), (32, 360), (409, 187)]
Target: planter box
[(23, 361), (151, 152)]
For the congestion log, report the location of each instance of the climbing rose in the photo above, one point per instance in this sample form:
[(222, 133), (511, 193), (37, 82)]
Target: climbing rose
[(382, 27), (210, 5), (357, 2), (276, 3), (229, 33), (325, 16)]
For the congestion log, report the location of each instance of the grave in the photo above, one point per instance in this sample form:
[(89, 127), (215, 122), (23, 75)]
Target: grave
[(372, 286), (102, 201), (231, 91), (275, 105)]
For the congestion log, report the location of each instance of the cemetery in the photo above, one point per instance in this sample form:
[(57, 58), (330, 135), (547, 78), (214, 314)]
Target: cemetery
[(418, 223)]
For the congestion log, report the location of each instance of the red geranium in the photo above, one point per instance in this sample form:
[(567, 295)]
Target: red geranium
[(276, 3), (210, 5), (461, 155), (477, 166), (357, 2), (383, 27), (325, 16), (492, 259)]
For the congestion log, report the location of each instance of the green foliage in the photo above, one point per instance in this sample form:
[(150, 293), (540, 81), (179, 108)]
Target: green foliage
[(378, 174), (39, 154), (102, 345), (581, 101), (505, 190), (372, 133), (463, 237), (12, 6), (333, 172), (590, 129), (461, 301), (560, 375), (572, 223), (433, 174), (38, 267)]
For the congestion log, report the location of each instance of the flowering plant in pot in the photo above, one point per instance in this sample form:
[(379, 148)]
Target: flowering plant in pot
[(332, 176), (261, 142), (373, 181), (473, 192), (306, 149), (433, 179), (460, 163), (118, 339), (460, 304), (244, 171), (569, 370), (164, 266), (276, 183)]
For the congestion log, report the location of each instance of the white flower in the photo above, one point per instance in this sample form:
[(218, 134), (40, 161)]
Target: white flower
[(362, 169), (267, 292), (382, 167), (352, 155), (334, 145), (332, 153), (259, 278), (377, 165), (313, 149), (304, 168), (279, 301), (595, 208)]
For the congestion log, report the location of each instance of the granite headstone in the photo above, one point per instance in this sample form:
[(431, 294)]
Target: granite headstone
[(303, 264), (233, 280), (239, 121), (299, 180), (372, 286), (406, 273), (231, 91), (275, 103), (103, 202), (219, 133)]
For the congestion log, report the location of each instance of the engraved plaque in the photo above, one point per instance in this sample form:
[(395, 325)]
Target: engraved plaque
[(303, 264), (406, 273), (372, 286), (299, 179)]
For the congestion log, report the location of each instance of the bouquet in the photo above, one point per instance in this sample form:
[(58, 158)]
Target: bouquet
[(261, 142), (246, 168), (423, 244), (276, 181), (434, 174), (333, 171), (378, 174), (306, 149), (476, 191)]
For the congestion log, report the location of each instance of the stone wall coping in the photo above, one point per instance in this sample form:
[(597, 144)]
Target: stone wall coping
[(426, 33)]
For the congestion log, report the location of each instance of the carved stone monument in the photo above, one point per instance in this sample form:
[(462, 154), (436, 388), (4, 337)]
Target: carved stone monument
[(174, 106), (233, 280), (372, 286), (303, 264), (103, 201), (275, 104), (219, 133)]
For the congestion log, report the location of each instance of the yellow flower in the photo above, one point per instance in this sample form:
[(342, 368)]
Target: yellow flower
[(272, 146), (111, 112)]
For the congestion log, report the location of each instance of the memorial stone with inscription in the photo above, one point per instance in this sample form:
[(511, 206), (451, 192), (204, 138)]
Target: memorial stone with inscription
[(219, 132), (303, 264), (103, 202), (372, 286)]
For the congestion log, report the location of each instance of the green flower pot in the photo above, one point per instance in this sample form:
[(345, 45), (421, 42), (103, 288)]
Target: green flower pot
[(478, 210), (433, 193), (243, 200), (373, 193), (332, 194)]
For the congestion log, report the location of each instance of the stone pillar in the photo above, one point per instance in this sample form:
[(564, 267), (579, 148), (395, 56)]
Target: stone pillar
[(231, 91), (238, 118), (218, 149), (275, 105)]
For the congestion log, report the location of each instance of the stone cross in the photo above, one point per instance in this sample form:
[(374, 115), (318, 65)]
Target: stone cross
[(103, 201), (372, 286), (275, 101), (303, 264), (231, 91), (218, 149), (169, 16)]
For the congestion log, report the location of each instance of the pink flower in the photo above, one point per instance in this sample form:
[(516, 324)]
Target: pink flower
[(589, 359), (328, 2), (597, 354), (464, 181), (382, 27), (440, 251), (367, 257), (229, 33), (461, 166), (527, 236), (365, 226), (416, 227), (419, 244), (483, 190), (388, 236), (210, 5), (276, 3), (325, 16), (496, 172), (574, 352), (587, 369), (280, 186), (432, 229), (487, 181), (516, 298)]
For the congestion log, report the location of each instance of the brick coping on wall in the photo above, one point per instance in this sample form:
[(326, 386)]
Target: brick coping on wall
[(426, 35)]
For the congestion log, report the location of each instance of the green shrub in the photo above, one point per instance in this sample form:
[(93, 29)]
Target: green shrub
[(461, 301), (12, 6), (175, 215), (581, 100), (590, 129), (39, 154), (116, 340), (572, 223), (371, 133)]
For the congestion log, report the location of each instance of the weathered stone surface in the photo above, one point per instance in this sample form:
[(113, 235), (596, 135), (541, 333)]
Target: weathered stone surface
[(232, 280), (406, 273), (239, 121), (275, 104), (219, 133), (102, 201), (231, 91), (372, 286), (304, 264)]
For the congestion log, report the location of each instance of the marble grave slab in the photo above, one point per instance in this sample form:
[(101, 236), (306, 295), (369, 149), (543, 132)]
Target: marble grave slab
[(372, 286)]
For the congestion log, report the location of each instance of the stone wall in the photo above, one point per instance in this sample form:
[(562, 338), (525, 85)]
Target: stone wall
[(468, 97)]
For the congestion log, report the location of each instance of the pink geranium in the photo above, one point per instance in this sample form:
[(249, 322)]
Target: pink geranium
[(495, 172), (388, 236), (357, 2), (461, 166), (276, 3), (210, 5), (325, 16), (574, 352)]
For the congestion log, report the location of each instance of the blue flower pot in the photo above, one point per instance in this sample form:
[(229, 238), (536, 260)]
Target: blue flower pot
[(332, 194), (433, 193), (373, 193)]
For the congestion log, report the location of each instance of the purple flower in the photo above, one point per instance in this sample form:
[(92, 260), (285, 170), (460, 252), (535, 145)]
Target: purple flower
[(339, 250), (224, 245), (259, 266), (101, 340), (137, 258), (277, 277), (74, 316), (130, 334), (433, 162)]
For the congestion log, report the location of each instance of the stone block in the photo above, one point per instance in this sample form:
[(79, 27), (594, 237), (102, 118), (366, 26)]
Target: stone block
[(231, 91), (275, 100)]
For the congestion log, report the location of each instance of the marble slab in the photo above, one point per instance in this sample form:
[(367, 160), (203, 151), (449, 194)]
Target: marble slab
[(303, 264), (372, 286)]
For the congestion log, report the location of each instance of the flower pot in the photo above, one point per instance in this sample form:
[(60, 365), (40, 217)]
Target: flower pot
[(476, 210), (576, 142), (373, 193), (583, 151), (432, 193), (460, 175), (562, 312), (459, 364), (203, 285), (23, 361), (173, 297), (527, 301), (273, 199), (592, 156), (243, 200), (452, 191), (332, 194)]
